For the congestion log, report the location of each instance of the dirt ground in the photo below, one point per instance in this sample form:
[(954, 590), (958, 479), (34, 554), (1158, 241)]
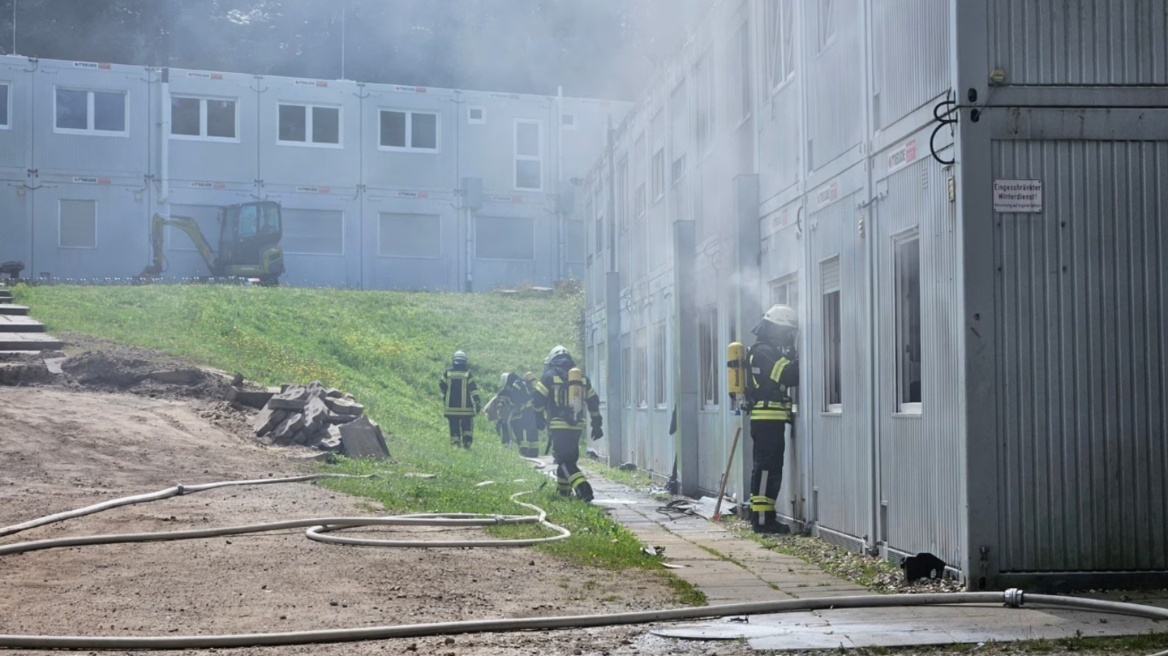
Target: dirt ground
[(64, 447)]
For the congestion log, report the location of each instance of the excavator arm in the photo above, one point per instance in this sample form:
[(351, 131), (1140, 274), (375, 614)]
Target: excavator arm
[(187, 225)]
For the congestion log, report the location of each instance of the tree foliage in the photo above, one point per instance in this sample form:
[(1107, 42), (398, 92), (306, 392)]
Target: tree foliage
[(592, 47)]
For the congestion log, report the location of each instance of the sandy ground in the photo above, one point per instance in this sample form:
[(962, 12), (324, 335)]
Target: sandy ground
[(64, 449)]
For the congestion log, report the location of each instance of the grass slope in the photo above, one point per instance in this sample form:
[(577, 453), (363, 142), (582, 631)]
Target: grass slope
[(388, 349)]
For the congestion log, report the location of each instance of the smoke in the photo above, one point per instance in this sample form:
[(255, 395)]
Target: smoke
[(593, 48)]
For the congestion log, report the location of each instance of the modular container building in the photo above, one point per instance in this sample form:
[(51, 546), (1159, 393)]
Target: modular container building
[(964, 200), (382, 186)]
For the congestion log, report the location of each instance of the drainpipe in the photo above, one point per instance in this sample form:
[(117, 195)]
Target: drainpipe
[(875, 513), (563, 251), (164, 149)]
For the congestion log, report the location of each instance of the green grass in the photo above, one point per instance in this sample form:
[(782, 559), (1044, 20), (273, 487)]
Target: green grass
[(388, 349)]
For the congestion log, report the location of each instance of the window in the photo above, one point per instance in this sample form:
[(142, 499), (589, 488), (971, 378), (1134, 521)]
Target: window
[(678, 132), (908, 325), (785, 291), (309, 124), (626, 371), (642, 369), (740, 77), (409, 235), (504, 238), (825, 17), (77, 224), (601, 385), (313, 232), (622, 193), (704, 94), (568, 121), (476, 115), (409, 131), (94, 112), (574, 240), (830, 284), (598, 205), (639, 198), (658, 174), (5, 106), (660, 342), (780, 41), (528, 155), (710, 352), (205, 118)]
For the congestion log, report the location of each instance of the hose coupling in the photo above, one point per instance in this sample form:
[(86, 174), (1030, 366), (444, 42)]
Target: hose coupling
[(180, 490), (1013, 597)]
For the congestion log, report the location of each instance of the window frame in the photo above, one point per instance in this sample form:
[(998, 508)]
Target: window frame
[(60, 216), (660, 367), (481, 120), (741, 60), (7, 124), (832, 349), (710, 356), (90, 113), (641, 355), (657, 175), (309, 124), (516, 157), (203, 117), (902, 407), (705, 101), (777, 39), (626, 370), (409, 135), (824, 15)]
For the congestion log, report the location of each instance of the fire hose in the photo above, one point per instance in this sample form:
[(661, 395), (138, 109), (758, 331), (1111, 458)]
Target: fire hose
[(318, 528)]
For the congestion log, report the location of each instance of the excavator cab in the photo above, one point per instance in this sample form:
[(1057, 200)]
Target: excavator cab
[(249, 242)]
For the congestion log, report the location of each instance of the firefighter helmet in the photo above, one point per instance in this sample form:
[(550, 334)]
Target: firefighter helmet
[(556, 351), (459, 358), (779, 321), (503, 380)]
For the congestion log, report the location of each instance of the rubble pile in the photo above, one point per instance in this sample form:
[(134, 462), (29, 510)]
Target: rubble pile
[(324, 419)]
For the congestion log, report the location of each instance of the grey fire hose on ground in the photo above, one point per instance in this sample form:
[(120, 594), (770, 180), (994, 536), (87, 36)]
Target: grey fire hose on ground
[(317, 528)]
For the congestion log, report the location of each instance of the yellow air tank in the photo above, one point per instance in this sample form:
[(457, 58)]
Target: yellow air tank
[(576, 390), (736, 368)]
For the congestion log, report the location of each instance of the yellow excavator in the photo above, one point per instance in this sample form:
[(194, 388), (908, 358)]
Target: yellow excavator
[(249, 242)]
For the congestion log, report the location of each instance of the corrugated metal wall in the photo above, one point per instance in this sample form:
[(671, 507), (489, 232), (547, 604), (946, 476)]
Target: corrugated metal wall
[(1080, 42), (835, 78), (921, 476), (910, 56), (1082, 295), (841, 470)]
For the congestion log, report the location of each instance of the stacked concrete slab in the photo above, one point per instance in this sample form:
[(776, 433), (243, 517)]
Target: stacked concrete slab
[(325, 419), (20, 332)]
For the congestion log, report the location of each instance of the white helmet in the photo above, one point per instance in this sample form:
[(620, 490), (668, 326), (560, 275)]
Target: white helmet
[(783, 316), (558, 350), (459, 357)]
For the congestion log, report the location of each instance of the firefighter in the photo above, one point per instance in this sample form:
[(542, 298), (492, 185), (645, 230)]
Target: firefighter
[(498, 410), (562, 395), (521, 419), (460, 399), (773, 369)]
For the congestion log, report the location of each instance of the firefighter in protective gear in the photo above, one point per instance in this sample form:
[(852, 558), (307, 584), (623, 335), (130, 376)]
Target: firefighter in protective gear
[(460, 400), (773, 369), (521, 417), (553, 396), (498, 410)]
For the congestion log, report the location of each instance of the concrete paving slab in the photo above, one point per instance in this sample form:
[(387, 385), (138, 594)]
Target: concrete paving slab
[(29, 342), (12, 309)]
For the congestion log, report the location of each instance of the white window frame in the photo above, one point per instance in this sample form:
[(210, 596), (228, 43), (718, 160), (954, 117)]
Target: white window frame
[(657, 174), (626, 342), (705, 100), (641, 362), (309, 124), (780, 31), (90, 116), (827, 289), (526, 158), (481, 120), (903, 407), (825, 28), (788, 283), (574, 125), (59, 231), (660, 366), (741, 75), (710, 358), (203, 136), (7, 125), (409, 148)]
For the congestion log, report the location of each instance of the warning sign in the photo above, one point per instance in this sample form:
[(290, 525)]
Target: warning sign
[(1018, 196)]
